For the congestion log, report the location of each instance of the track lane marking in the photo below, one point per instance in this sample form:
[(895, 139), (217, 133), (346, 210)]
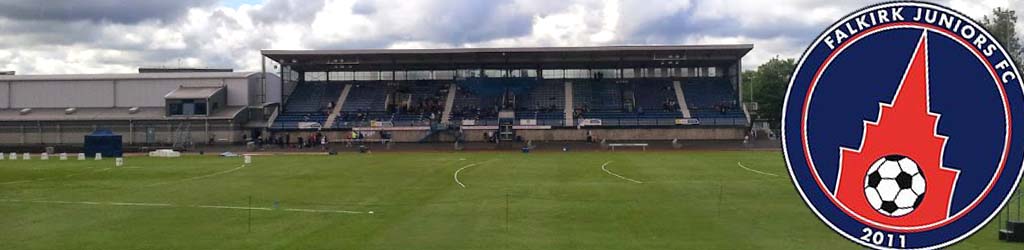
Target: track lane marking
[(167, 205), (605, 168), (456, 175), (199, 177), (460, 170), (46, 178), (755, 170)]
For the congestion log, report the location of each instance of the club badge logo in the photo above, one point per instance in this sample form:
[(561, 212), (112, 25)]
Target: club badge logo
[(903, 126)]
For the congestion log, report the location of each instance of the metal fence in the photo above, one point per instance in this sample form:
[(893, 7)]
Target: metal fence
[(1013, 212), (133, 132)]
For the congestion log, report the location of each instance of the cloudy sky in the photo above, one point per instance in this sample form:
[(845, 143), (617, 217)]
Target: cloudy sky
[(118, 36)]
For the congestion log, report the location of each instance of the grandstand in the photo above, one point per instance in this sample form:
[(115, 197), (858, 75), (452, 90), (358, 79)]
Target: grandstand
[(671, 92), (546, 94)]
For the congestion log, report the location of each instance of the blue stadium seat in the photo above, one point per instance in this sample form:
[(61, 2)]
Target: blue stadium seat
[(633, 102), (711, 98), (308, 103), (611, 101)]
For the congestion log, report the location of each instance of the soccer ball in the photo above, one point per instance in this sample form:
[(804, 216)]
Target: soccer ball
[(894, 185)]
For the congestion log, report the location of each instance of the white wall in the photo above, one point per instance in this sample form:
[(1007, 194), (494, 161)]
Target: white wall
[(150, 93), (144, 93), (122, 93), (273, 88), (62, 94), (5, 88), (254, 89), (238, 92)]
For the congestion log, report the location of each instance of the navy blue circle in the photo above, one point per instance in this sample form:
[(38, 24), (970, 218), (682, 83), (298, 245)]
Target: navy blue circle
[(866, 73)]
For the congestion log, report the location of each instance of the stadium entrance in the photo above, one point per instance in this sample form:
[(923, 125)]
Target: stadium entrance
[(499, 94)]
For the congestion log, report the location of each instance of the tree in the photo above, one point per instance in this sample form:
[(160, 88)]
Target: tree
[(769, 82), (1002, 24)]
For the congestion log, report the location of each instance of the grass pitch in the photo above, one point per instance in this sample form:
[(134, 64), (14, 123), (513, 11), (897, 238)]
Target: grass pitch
[(654, 200)]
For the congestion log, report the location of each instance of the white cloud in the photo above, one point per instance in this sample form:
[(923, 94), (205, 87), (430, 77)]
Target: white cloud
[(205, 35)]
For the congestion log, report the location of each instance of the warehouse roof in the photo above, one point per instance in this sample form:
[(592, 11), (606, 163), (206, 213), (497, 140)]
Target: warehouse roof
[(142, 76), (110, 114)]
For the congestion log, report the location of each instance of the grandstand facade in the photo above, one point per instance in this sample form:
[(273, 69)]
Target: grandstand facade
[(567, 93)]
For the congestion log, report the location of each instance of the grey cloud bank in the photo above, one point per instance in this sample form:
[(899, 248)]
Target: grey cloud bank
[(107, 36)]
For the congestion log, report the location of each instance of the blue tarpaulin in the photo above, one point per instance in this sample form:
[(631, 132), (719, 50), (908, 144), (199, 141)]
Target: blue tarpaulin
[(105, 142)]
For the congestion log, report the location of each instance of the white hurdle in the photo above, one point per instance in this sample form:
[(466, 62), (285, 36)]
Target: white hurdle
[(26, 156), (118, 162), (248, 159), (44, 156), (63, 156), (2, 156), (81, 156), (99, 156), (14, 156)]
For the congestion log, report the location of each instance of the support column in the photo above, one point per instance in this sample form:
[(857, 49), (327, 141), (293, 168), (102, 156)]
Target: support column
[(263, 80), (569, 105), (207, 129), (131, 132), (114, 94), (170, 133)]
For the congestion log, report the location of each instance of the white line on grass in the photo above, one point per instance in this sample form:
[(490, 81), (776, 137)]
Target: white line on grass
[(201, 177), (605, 168), (135, 204), (22, 181), (93, 203), (140, 204), (754, 170), (326, 211), (460, 170), (233, 207), (467, 166), (42, 179)]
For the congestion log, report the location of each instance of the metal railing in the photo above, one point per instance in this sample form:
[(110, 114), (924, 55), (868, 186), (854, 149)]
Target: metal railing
[(1013, 211)]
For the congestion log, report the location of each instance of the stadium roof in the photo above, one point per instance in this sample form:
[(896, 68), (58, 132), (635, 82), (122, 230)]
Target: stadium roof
[(528, 57), (181, 70), (87, 77), (110, 114)]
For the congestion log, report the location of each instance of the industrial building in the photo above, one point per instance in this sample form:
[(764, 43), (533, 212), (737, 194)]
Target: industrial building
[(146, 108)]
